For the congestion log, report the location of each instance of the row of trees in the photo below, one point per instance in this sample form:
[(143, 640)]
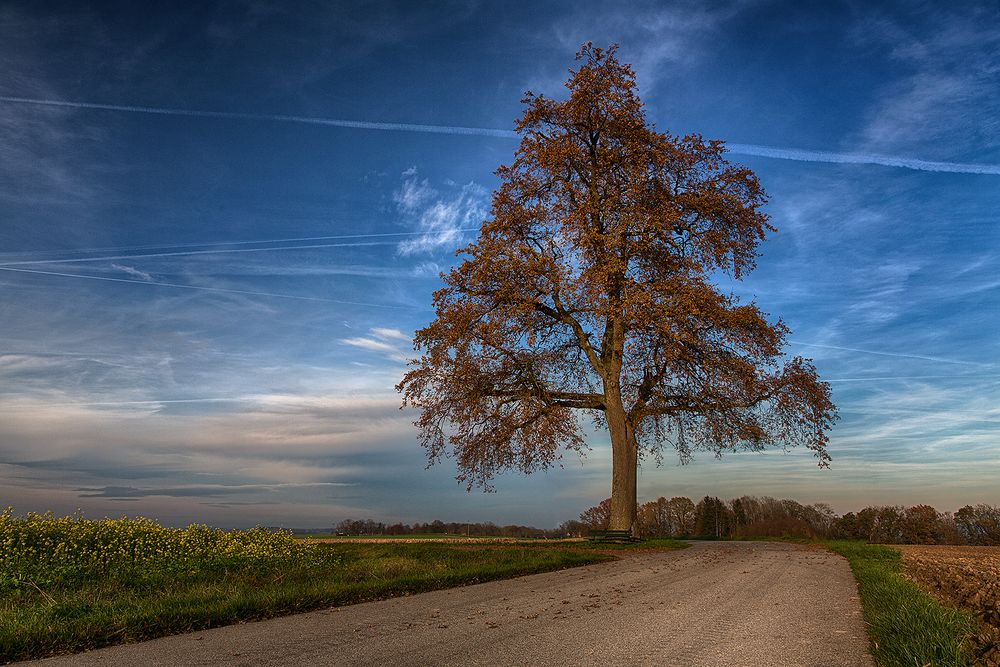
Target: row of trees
[(713, 518), (922, 524), (437, 527), (752, 516), (746, 516)]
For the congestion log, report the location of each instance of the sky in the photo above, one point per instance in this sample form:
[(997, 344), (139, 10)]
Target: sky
[(221, 223)]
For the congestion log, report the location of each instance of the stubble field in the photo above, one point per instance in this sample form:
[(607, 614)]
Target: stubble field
[(965, 577)]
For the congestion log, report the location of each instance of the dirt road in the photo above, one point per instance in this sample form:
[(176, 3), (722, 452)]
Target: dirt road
[(723, 603)]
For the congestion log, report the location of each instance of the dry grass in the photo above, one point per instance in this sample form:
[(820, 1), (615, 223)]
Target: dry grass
[(963, 577)]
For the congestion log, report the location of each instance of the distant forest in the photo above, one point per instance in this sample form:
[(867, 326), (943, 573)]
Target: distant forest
[(743, 517)]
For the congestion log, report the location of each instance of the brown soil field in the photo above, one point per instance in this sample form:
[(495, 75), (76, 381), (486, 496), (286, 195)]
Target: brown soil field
[(965, 577)]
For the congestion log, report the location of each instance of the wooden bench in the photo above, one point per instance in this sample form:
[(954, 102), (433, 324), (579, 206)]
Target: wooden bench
[(616, 536)]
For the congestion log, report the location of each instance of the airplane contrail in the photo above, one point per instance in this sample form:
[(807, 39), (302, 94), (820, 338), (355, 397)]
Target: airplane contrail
[(203, 288), (283, 118), (796, 154), (208, 244), (187, 253), (890, 354), (863, 158)]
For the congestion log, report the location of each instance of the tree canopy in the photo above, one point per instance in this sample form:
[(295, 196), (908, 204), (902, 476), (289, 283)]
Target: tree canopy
[(590, 288)]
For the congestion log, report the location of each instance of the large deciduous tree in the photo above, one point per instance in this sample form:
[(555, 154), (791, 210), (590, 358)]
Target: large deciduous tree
[(590, 288)]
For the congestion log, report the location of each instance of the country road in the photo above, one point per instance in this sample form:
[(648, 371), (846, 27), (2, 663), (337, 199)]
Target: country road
[(721, 603)]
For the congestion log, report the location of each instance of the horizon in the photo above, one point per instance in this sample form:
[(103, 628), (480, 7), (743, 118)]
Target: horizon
[(223, 224)]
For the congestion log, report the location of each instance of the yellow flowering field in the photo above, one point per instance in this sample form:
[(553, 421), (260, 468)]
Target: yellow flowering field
[(69, 584), (42, 550)]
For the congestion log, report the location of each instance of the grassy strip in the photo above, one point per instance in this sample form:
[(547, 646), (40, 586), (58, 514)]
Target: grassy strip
[(907, 627), (106, 610)]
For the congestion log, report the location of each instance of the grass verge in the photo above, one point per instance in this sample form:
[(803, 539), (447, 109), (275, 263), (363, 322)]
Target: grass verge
[(90, 612), (906, 627)]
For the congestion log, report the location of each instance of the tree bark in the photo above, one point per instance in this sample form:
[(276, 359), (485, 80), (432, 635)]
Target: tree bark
[(624, 463)]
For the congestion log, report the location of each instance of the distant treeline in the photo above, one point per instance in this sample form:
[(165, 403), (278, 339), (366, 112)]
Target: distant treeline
[(752, 516), (436, 527), (746, 516)]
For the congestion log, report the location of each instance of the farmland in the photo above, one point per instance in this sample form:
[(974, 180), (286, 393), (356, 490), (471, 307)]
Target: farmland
[(69, 584), (965, 577)]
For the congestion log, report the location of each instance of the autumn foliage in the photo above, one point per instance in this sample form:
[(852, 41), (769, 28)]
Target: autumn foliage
[(590, 288)]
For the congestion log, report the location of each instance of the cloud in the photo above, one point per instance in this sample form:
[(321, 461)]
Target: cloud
[(391, 333), (203, 491), (46, 154), (945, 100), (132, 271), (441, 219), (382, 340)]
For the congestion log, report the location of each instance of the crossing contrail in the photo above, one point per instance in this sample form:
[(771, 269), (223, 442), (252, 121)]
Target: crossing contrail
[(203, 288), (188, 253), (800, 155), (208, 244)]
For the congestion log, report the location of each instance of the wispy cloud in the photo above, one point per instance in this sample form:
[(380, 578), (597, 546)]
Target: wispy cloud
[(441, 218), (945, 99), (382, 340), (132, 271)]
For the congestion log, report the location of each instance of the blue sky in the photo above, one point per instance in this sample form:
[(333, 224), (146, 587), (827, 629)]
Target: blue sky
[(204, 314)]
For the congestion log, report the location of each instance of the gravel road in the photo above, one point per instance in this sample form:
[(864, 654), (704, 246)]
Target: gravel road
[(717, 603)]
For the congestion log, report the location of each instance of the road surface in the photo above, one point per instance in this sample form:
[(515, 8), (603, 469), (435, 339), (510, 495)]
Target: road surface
[(717, 603)]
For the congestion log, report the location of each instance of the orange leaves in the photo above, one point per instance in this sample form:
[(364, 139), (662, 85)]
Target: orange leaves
[(590, 288)]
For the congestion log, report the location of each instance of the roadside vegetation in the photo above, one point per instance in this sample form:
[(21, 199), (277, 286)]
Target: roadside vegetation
[(906, 626), (70, 584)]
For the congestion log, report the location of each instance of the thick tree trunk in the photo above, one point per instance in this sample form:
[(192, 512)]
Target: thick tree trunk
[(624, 461)]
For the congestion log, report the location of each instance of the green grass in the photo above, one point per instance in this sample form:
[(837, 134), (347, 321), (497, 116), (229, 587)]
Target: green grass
[(906, 627), (109, 611)]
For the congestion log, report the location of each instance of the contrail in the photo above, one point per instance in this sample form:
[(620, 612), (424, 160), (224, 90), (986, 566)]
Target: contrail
[(283, 118), (796, 154), (863, 158), (890, 354), (972, 376), (186, 253), (206, 244), (206, 289)]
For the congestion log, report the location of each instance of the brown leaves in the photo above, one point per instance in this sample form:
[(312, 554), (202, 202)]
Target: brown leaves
[(590, 288)]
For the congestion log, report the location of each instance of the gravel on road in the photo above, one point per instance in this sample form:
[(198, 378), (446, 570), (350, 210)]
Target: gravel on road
[(717, 603)]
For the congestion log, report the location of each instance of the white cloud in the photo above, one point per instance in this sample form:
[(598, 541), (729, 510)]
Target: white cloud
[(382, 340), (390, 333), (132, 271), (441, 218)]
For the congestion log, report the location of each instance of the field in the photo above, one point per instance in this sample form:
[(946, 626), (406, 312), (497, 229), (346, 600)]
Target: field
[(70, 584), (963, 577)]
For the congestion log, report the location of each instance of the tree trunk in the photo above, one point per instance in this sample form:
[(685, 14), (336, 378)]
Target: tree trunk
[(624, 461)]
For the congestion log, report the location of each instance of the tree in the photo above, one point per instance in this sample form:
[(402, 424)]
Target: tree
[(979, 524), (681, 511), (590, 288), (712, 518), (922, 524), (598, 516)]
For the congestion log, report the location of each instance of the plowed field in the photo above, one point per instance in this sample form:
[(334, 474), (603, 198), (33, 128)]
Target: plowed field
[(966, 577)]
